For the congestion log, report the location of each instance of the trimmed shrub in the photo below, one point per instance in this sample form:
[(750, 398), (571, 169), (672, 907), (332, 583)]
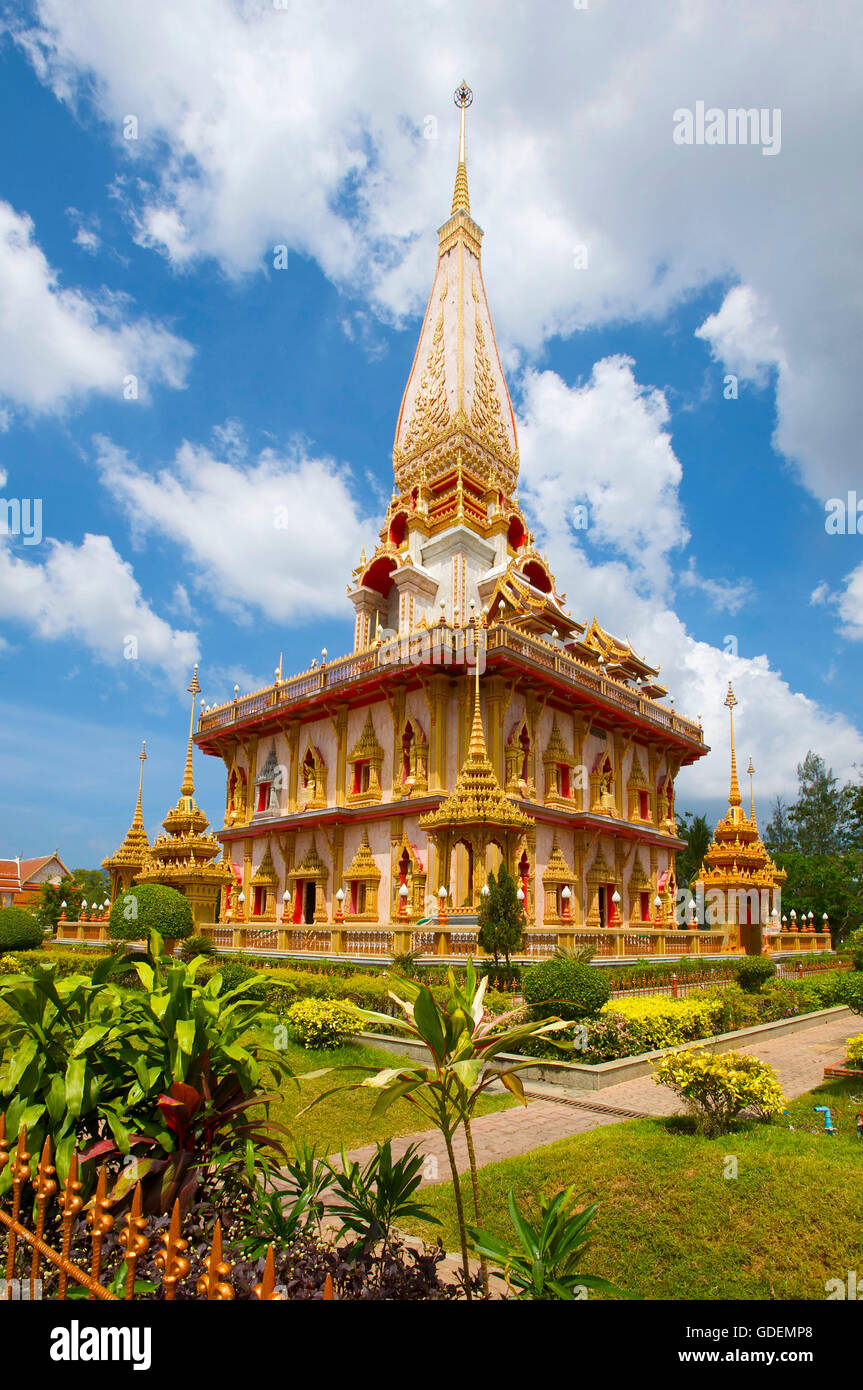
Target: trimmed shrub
[(150, 907), (565, 989), (753, 972), (19, 930), (321, 1023), (847, 989), (718, 1087), (658, 1021), (854, 944)]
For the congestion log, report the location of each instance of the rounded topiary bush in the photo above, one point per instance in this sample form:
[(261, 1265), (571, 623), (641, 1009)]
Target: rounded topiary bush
[(150, 907), (565, 989), (19, 930), (753, 972)]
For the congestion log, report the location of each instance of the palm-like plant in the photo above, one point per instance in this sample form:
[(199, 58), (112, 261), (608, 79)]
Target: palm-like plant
[(546, 1261), (464, 1047)]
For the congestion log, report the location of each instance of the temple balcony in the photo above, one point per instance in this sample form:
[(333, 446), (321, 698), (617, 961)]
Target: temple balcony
[(504, 648)]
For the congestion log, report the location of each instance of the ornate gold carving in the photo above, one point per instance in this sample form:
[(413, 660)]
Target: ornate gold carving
[(430, 415)]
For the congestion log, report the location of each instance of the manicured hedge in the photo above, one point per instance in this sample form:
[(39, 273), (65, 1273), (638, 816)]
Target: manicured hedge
[(565, 989), (147, 907), (19, 930)]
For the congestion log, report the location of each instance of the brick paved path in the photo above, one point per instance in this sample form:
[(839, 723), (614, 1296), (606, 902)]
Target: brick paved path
[(799, 1058)]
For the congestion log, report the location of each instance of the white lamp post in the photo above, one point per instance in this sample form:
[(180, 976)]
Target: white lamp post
[(485, 890)]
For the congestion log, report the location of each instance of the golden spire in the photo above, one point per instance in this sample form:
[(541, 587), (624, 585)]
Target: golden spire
[(477, 749), (462, 97), (188, 786), (734, 797), (138, 818), (751, 772)]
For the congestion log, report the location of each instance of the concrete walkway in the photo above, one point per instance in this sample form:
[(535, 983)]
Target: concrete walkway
[(799, 1058)]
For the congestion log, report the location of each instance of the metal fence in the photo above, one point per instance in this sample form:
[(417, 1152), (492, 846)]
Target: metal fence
[(27, 1246)]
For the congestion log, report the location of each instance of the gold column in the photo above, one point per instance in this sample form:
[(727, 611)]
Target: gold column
[(292, 732), (251, 796), (340, 723)]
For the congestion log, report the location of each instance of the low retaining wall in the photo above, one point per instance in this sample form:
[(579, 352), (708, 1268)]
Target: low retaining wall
[(577, 1076)]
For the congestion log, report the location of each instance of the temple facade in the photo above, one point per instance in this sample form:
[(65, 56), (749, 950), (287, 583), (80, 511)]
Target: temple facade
[(475, 720)]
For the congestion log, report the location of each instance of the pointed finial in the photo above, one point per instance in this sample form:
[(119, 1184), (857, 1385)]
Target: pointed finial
[(463, 96), (138, 818), (751, 771), (477, 747), (734, 797), (188, 785)]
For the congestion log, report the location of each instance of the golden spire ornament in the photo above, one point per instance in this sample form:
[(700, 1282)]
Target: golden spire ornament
[(751, 772), (138, 818), (734, 797), (463, 96), (188, 785)]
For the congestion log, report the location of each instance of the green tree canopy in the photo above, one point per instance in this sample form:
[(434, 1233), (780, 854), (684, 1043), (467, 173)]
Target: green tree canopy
[(501, 917)]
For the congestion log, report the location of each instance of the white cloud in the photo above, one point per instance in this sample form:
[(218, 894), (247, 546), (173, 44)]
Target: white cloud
[(850, 606), (304, 125), (87, 230), (605, 445), (58, 344), (89, 594), (723, 595), (615, 425), (742, 337), (277, 534)]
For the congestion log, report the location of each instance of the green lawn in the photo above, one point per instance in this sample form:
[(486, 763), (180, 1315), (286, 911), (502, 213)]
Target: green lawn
[(344, 1119), (672, 1226)]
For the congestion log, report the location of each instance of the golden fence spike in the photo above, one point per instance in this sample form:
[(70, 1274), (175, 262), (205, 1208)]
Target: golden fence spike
[(328, 1288), (133, 1241), (20, 1174), (4, 1142), (72, 1204), (100, 1221), (171, 1260), (265, 1291), (44, 1186), (214, 1283)]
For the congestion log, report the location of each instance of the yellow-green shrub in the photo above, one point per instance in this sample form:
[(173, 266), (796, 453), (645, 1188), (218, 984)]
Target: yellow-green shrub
[(658, 1021), (321, 1022), (854, 1050), (719, 1086)]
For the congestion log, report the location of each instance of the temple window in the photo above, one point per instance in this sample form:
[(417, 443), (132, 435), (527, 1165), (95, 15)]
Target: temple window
[(524, 740), (644, 906), (263, 796), (259, 902), (362, 778), (643, 807)]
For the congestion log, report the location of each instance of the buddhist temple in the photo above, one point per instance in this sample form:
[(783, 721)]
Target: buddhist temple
[(132, 855), (739, 882), (475, 720), (182, 856)]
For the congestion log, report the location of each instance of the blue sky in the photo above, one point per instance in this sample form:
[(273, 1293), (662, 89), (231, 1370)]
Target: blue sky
[(259, 386)]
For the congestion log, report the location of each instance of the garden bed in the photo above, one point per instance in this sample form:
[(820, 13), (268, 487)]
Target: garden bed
[(577, 1076)]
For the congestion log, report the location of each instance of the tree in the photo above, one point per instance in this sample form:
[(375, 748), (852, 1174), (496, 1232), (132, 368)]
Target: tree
[(501, 917), (49, 904), (831, 883), (817, 814), (94, 883), (697, 834), (779, 833)]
